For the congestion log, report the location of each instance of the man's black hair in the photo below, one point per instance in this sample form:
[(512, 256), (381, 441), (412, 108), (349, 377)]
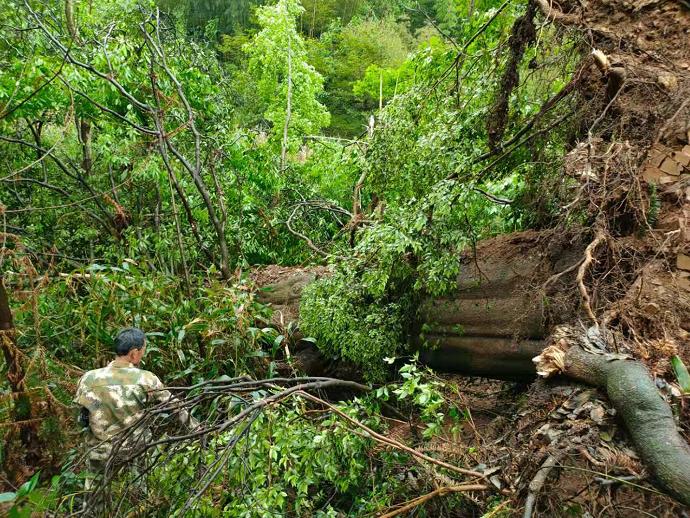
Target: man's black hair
[(128, 339)]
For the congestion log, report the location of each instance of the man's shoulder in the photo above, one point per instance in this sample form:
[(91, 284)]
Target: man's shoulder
[(149, 378), (92, 375), (110, 375)]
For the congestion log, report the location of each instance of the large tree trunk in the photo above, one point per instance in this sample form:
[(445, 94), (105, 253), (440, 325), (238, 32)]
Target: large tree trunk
[(496, 321), (511, 296)]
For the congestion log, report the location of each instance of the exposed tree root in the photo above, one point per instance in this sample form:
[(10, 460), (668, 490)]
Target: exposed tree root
[(582, 271)]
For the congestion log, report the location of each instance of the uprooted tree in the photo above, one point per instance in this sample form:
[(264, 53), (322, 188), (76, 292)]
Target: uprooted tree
[(604, 303)]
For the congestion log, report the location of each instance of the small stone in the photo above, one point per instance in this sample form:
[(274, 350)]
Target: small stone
[(652, 174), (683, 283), (668, 80), (682, 158), (658, 154), (666, 179), (670, 166), (652, 308)]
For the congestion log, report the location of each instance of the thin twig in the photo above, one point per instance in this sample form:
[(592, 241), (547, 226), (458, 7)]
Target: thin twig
[(441, 491)]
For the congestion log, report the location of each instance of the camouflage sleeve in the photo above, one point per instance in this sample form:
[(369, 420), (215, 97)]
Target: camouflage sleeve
[(80, 410), (155, 390), (158, 393), (84, 397)]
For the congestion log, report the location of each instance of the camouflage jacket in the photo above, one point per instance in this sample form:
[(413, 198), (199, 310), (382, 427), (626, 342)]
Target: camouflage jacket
[(116, 397)]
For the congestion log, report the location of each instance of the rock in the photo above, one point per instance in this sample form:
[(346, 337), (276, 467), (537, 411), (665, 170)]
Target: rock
[(668, 80)]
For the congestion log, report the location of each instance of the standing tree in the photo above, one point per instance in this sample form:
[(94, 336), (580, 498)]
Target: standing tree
[(288, 85)]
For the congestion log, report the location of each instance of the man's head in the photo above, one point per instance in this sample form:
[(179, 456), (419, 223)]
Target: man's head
[(130, 344)]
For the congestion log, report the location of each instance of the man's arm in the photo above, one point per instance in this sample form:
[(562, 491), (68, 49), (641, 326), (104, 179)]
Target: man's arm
[(83, 402), (157, 392)]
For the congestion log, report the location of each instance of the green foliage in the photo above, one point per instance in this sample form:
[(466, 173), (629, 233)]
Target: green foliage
[(290, 463), (342, 55), (436, 197), (191, 335), (277, 56), (30, 498), (365, 310), (682, 374), (117, 244), (654, 206)]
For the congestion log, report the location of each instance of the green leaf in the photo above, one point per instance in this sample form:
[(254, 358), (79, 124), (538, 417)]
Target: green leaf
[(28, 486), (681, 374)]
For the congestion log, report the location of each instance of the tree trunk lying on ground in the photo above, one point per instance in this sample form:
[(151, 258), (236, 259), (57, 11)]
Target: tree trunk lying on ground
[(647, 416), (511, 296)]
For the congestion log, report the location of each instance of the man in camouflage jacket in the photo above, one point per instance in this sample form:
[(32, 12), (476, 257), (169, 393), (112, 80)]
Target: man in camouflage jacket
[(114, 398)]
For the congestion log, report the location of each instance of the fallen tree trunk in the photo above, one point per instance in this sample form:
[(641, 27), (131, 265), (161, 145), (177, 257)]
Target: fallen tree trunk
[(647, 416), (498, 358), (510, 298), (491, 326)]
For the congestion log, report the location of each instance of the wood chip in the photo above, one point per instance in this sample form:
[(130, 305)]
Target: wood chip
[(670, 166), (683, 262)]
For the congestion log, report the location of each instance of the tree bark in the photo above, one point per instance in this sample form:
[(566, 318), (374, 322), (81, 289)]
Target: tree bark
[(71, 23), (647, 416)]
